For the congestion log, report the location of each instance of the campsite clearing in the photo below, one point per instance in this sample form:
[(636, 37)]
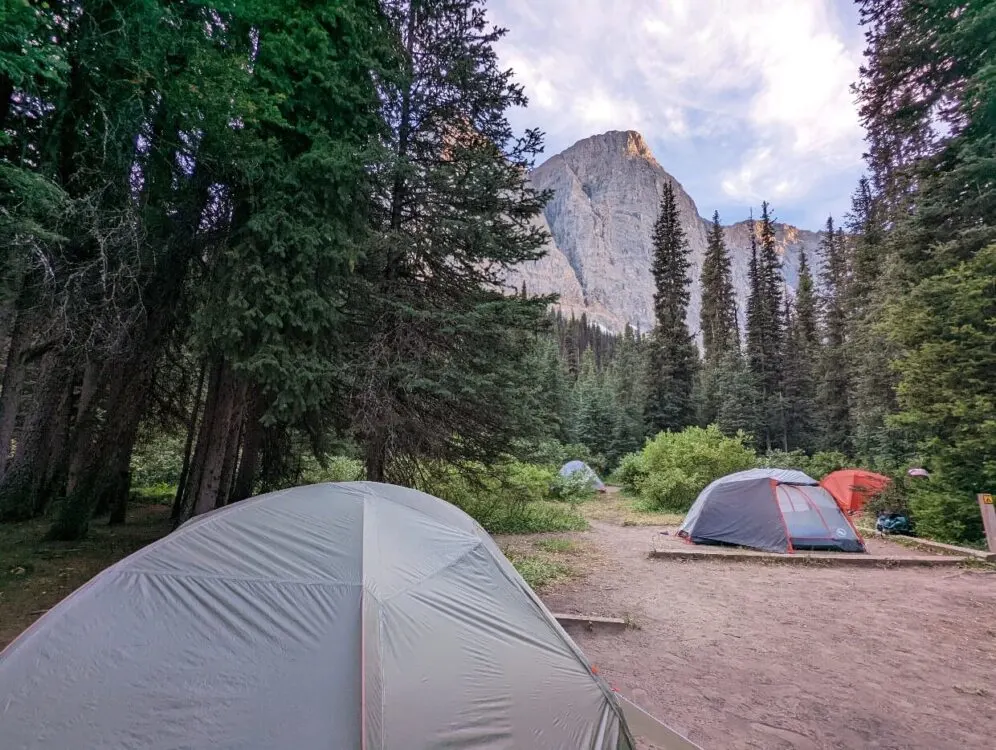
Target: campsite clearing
[(746, 655)]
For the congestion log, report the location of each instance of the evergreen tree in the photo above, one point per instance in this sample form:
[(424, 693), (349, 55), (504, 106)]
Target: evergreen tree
[(436, 369), (802, 356), (834, 388), (593, 408), (765, 329), (718, 322), (628, 397), (672, 356), (739, 396)]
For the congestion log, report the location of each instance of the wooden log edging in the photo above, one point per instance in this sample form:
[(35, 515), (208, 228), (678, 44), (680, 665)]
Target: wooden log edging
[(930, 544), (590, 622)]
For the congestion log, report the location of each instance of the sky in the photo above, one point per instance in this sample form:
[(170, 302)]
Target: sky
[(740, 100)]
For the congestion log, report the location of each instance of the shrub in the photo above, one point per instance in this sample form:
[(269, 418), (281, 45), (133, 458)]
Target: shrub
[(555, 454), (631, 472), (507, 498), (336, 469), (817, 465), (945, 514), (679, 465), (157, 459), (575, 488)]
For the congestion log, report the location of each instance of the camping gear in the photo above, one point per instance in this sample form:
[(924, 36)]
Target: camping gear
[(852, 488), (353, 615), (893, 523), (776, 510), (574, 467), (917, 472)]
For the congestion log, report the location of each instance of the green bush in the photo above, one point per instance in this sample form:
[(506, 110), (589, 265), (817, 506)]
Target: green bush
[(156, 494), (945, 514), (574, 488), (508, 498), (336, 469), (157, 459), (631, 472), (678, 465), (817, 465), (555, 454)]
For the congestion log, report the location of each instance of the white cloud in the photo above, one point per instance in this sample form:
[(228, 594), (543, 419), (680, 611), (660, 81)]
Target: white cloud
[(769, 78)]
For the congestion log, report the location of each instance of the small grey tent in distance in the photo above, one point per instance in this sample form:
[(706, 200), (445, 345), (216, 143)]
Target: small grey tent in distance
[(775, 510), (354, 615), (572, 468)]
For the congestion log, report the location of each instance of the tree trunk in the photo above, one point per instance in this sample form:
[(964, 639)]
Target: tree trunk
[(252, 443), (232, 442), (23, 488), (103, 480), (225, 402), (86, 425), (375, 456), (10, 389), (181, 487)]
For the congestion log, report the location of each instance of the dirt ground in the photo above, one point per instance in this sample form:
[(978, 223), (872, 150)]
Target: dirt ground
[(744, 655)]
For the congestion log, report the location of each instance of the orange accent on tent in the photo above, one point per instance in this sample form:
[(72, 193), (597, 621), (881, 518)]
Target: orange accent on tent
[(852, 488)]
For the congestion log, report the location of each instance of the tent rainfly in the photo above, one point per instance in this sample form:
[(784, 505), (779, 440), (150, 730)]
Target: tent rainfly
[(575, 467), (775, 510), (852, 488), (354, 615)]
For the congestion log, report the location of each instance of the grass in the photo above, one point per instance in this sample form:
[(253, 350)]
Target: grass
[(623, 510), (543, 562), (536, 517), (35, 575)]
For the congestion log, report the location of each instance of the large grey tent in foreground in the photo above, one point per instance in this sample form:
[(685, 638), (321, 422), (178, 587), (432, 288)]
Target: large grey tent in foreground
[(340, 616), (777, 510)]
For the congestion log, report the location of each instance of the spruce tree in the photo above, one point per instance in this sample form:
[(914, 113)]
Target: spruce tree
[(765, 329), (739, 397), (436, 369), (718, 317), (672, 356), (628, 397), (834, 378), (801, 360)]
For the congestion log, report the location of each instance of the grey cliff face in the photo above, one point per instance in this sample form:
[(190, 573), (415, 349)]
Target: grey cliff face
[(606, 192)]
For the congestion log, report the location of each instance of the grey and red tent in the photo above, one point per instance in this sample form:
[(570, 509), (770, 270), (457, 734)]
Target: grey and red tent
[(776, 510)]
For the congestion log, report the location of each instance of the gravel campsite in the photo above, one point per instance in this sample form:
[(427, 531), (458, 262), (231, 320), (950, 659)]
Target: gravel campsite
[(801, 657)]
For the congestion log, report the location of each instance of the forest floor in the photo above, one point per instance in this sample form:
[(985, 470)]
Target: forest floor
[(749, 655), (35, 575)]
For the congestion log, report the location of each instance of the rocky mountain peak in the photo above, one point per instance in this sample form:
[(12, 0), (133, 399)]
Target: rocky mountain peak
[(606, 191)]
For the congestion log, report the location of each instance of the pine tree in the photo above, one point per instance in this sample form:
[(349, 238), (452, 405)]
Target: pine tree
[(672, 356), (720, 331), (628, 397), (765, 329), (437, 362), (803, 351), (739, 397), (834, 386)]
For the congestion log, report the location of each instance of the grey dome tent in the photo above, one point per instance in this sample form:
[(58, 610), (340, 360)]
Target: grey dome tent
[(574, 467), (345, 616), (776, 510)]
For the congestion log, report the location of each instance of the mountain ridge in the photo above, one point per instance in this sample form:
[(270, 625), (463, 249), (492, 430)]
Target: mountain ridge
[(606, 191)]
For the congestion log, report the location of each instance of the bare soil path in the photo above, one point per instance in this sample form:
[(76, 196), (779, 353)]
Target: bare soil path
[(744, 655)]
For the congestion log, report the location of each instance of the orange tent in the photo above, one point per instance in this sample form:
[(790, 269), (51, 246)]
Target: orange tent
[(851, 488)]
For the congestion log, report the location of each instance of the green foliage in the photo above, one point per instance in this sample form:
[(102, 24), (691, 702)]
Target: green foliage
[(554, 454), (538, 570), (631, 472), (156, 494), (672, 359), (331, 469), (157, 460), (574, 488), (947, 394), (677, 466), (718, 317), (505, 498), (816, 465), (945, 513)]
